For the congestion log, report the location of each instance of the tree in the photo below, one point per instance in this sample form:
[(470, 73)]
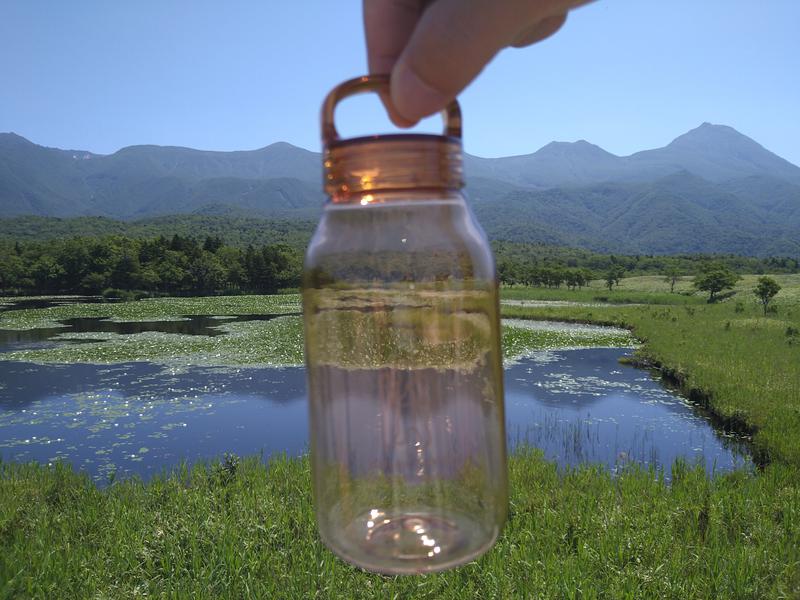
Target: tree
[(125, 274), (671, 276), (506, 273), (74, 258), (766, 290), (279, 257), (572, 277), (614, 275), (93, 283), (12, 271), (149, 279), (235, 274), (553, 276), (576, 278), (207, 273), (714, 280), (172, 272), (586, 277), (47, 273), (212, 244)]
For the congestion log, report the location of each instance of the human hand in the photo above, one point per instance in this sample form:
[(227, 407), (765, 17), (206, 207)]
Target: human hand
[(434, 49)]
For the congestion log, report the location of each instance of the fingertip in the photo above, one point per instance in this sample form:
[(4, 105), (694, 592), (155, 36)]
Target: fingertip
[(402, 122), (411, 97), (540, 31), (394, 116)]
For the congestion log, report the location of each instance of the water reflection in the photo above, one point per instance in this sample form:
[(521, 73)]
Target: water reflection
[(17, 303), (140, 418), (583, 406), (207, 325)]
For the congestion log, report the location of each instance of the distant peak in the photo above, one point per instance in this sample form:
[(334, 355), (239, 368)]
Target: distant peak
[(715, 126), (282, 146), (14, 137), (581, 147), (710, 133), (707, 127)]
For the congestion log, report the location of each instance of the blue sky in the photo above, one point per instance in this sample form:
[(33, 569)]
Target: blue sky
[(624, 74)]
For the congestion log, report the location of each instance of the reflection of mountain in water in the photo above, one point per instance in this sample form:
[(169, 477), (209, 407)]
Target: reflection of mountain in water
[(577, 380), (25, 384), (577, 405), (583, 406)]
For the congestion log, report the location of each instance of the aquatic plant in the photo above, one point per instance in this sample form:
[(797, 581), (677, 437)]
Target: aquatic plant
[(276, 342)]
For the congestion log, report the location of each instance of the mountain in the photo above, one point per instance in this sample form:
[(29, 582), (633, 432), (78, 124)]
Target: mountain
[(680, 212), (714, 152), (140, 181), (711, 189), (557, 163)]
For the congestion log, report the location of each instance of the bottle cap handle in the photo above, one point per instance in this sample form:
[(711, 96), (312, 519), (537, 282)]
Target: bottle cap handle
[(451, 115)]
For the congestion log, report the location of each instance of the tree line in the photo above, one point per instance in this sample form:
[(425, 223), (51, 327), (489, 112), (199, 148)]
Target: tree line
[(514, 273), (712, 276), (522, 256), (183, 264), (162, 265), (242, 231)]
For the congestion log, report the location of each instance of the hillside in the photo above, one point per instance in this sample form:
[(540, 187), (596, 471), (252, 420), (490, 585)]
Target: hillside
[(711, 189)]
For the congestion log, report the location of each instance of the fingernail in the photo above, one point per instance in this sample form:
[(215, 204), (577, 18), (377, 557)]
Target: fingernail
[(394, 116), (412, 97)]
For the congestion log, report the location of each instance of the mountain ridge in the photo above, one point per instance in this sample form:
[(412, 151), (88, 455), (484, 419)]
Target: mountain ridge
[(710, 189)]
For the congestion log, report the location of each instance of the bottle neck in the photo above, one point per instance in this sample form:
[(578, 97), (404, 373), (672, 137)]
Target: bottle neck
[(385, 168), (377, 197)]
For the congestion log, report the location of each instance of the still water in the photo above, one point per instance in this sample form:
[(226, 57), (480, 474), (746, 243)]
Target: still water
[(143, 418)]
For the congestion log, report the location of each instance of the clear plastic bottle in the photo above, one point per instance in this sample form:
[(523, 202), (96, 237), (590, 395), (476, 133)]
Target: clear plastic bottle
[(403, 353)]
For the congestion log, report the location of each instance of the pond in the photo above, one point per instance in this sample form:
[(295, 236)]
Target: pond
[(142, 418)]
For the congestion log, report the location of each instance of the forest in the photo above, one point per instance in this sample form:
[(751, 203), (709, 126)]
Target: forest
[(118, 265), (158, 266)]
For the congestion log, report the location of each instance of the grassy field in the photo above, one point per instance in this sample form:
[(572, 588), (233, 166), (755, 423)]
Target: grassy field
[(236, 530), (247, 531), (652, 289), (596, 293), (789, 295), (745, 367)]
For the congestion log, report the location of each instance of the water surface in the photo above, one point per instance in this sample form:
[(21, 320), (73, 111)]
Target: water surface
[(142, 418)]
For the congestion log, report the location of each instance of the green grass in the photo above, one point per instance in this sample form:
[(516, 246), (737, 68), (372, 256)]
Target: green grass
[(743, 365), (651, 289), (248, 531), (658, 288), (596, 293)]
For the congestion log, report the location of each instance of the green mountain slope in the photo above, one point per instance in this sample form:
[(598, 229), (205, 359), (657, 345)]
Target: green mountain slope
[(710, 190)]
